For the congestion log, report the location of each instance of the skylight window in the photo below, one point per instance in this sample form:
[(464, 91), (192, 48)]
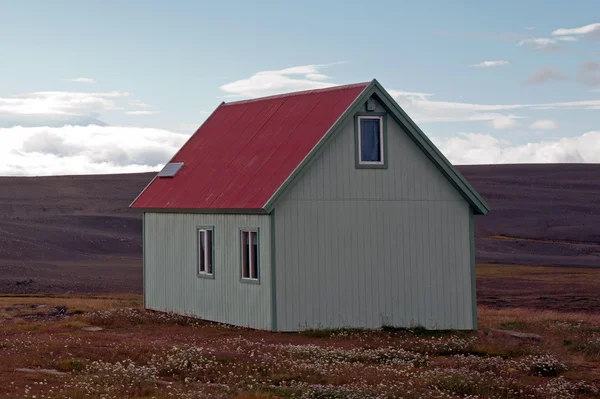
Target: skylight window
[(170, 169)]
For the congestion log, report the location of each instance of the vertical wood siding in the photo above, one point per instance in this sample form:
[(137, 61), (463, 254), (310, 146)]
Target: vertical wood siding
[(171, 282), (373, 247)]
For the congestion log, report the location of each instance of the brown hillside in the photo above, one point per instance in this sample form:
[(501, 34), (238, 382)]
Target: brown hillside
[(76, 233)]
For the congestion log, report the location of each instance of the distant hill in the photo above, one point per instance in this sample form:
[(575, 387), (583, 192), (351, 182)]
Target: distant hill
[(541, 214), (76, 233)]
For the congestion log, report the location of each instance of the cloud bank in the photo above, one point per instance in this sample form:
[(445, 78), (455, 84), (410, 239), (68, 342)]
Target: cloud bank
[(91, 149), (473, 148), (53, 132)]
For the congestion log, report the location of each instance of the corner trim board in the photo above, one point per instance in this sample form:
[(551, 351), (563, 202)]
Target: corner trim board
[(273, 274), (473, 266), (144, 260)]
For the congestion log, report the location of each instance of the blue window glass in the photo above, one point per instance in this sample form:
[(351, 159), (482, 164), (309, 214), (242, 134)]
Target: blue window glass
[(370, 140)]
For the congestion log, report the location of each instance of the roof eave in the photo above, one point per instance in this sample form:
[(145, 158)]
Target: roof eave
[(225, 211)]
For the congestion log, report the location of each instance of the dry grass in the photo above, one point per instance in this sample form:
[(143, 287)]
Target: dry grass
[(147, 354), (537, 287), (557, 275), (75, 303)]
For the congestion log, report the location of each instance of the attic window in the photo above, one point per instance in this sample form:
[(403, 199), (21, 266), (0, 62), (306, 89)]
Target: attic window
[(170, 169), (370, 141)]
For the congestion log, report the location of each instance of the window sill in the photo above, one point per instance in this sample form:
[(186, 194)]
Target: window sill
[(371, 166), (249, 281), (206, 276)]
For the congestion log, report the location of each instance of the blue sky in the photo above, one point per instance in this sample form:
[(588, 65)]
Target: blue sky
[(113, 86)]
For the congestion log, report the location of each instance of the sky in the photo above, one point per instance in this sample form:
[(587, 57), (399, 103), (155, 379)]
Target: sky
[(118, 86)]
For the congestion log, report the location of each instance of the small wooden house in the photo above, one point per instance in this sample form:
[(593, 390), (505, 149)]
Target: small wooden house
[(319, 209)]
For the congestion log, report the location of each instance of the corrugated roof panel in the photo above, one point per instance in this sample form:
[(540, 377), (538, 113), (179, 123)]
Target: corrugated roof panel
[(246, 150)]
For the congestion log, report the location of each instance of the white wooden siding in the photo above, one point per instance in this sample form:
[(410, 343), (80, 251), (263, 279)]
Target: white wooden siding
[(171, 266), (373, 247)]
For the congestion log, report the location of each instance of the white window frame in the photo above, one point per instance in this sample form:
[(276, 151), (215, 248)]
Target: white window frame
[(199, 233), (251, 278), (381, 142)]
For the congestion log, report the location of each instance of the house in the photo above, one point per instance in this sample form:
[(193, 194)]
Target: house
[(319, 209)]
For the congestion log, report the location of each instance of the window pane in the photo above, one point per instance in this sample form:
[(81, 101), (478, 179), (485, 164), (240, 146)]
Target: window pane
[(245, 256), (202, 266), (254, 262), (370, 140), (209, 251)]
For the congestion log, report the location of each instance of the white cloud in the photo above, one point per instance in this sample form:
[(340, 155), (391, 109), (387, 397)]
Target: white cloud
[(490, 64), (542, 44), (544, 75), (59, 103), (83, 80), (568, 38), (473, 148), (317, 76), (139, 103), (410, 95), (422, 109), (146, 112), (582, 30), (544, 124), (529, 27), (504, 122), (287, 80), (85, 150)]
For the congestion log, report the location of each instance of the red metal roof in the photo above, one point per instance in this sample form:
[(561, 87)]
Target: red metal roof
[(246, 150)]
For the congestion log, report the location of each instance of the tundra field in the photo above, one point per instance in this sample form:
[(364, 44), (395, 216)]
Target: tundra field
[(72, 323), (107, 346)]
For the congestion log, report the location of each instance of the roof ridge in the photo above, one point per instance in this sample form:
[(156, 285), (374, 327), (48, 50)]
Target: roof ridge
[(298, 93)]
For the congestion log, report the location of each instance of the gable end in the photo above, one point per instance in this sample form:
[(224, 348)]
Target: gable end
[(410, 127)]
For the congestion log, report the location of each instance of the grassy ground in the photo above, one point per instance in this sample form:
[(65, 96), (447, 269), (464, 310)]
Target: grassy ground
[(143, 354), (567, 289)]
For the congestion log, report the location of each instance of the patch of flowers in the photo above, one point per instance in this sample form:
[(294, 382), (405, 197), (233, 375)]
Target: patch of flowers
[(590, 346), (468, 383), (186, 362), (441, 345), (567, 325), (113, 380), (319, 391), (494, 364), (390, 355), (541, 365), (560, 388)]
